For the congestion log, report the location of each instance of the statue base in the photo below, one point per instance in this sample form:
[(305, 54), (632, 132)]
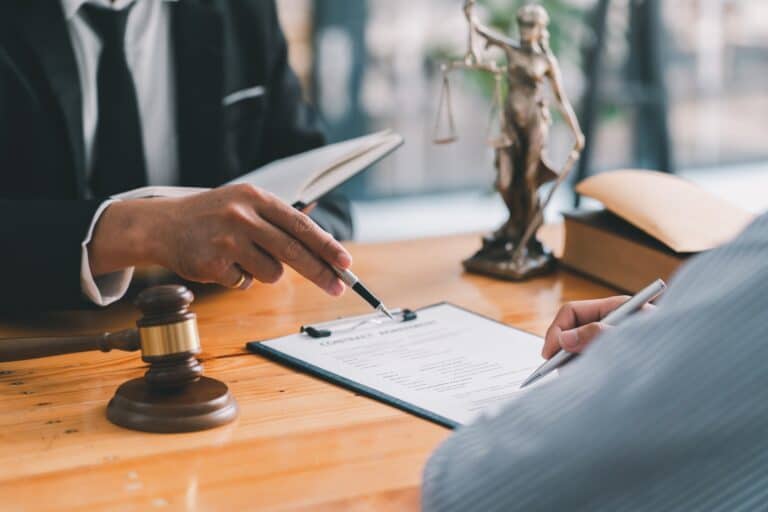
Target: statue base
[(495, 259)]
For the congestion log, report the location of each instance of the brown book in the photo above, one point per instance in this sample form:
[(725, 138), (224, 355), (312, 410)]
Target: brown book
[(680, 214), (651, 224), (610, 249)]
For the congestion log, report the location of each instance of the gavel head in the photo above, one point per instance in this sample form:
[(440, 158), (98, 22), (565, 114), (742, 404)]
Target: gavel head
[(169, 337), (173, 396)]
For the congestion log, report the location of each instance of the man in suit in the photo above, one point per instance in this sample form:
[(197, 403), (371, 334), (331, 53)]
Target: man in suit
[(102, 96), (669, 411)]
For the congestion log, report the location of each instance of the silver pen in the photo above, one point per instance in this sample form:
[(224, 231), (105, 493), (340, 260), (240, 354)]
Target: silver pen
[(613, 318), (351, 280)]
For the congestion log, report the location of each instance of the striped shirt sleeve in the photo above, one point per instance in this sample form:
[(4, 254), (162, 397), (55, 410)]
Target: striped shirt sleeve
[(667, 412)]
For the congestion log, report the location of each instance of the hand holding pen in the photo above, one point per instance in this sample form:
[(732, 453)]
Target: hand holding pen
[(578, 323), (353, 282)]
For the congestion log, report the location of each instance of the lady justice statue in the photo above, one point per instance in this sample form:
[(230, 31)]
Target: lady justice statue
[(513, 252)]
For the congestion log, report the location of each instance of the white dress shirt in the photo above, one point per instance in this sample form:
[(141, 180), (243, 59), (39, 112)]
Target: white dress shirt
[(149, 52)]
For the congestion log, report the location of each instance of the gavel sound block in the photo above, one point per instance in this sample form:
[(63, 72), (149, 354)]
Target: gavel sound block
[(173, 396)]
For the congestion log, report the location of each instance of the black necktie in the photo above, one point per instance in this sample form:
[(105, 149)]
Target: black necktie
[(118, 161)]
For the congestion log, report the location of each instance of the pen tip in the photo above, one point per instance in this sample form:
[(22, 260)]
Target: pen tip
[(386, 312)]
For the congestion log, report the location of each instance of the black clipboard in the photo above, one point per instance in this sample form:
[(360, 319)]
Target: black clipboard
[(356, 387)]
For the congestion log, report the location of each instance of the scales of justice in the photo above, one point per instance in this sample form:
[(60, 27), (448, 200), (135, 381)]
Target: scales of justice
[(513, 252)]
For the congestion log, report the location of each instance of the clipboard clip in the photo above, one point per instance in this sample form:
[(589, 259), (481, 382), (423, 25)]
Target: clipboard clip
[(343, 326)]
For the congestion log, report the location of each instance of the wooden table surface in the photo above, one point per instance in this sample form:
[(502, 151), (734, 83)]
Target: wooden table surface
[(299, 443)]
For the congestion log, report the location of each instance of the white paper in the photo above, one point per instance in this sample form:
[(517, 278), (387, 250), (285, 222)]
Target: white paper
[(448, 361)]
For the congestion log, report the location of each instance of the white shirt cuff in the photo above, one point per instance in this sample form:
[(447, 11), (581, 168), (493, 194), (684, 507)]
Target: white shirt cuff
[(103, 290)]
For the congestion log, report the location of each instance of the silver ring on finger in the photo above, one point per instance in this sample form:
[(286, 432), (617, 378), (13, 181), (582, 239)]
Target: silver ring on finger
[(247, 282), (244, 282)]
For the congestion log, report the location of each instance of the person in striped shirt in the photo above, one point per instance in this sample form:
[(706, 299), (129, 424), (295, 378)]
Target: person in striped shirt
[(669, 411)]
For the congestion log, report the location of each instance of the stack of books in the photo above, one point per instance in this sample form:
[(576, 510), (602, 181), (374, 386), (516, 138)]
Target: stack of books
[(650, 225)]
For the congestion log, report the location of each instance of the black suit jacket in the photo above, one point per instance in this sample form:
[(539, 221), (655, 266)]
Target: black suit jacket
[(220, 46)]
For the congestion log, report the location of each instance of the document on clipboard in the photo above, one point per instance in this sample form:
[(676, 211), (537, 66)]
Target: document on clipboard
[(442, 363)]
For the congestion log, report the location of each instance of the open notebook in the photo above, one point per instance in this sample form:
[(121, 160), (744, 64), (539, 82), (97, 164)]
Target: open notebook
[(302, 179)]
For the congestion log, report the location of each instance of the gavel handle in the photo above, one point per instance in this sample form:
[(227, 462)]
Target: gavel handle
[(19, 349)]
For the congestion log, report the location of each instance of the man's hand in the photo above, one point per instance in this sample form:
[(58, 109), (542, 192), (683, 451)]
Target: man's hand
[(577, 324), (210, 237)]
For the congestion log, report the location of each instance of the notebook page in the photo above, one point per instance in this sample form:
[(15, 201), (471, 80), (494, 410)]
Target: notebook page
[(344, 170), (448, 361), (302, 178), (286, 178)]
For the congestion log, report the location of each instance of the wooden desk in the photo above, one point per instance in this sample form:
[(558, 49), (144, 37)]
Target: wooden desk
[(299, 444)]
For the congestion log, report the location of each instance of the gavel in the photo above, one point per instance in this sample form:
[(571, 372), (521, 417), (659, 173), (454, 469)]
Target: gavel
[(173, 396), (21, 349)]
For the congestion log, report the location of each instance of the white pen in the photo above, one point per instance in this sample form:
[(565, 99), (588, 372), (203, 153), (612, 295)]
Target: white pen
[(613, 318)]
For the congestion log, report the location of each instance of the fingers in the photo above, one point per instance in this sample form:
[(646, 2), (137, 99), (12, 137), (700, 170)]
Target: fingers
[(302, 228), (282, 247), (577, 314), (571, 340), (576, 340), (263, 267), (583, 312), (243, 225), (551, 342), (230, 277)]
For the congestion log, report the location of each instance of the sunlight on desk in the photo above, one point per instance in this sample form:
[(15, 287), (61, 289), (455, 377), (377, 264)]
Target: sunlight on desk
[(299, 444)]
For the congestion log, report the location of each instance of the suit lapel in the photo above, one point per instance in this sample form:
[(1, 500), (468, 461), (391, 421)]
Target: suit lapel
[(198, 49), (44, 25)]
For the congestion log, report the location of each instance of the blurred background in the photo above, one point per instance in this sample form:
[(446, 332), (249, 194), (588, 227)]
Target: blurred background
[(673, 85)]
